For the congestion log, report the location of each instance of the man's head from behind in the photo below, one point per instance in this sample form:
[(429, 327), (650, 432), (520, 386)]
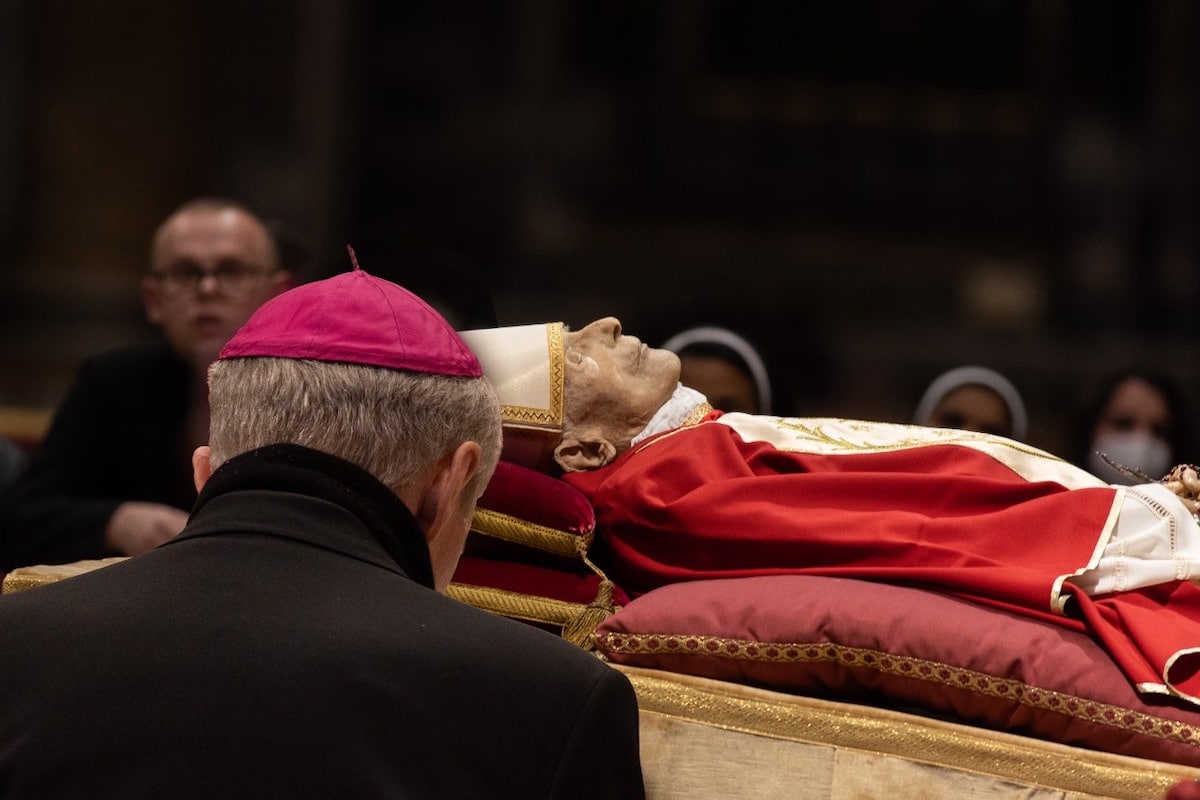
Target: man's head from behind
[(212, 263), (359, 368)]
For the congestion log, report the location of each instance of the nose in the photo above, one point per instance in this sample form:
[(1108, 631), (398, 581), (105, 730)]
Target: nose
[(207, 283), (610, 326)]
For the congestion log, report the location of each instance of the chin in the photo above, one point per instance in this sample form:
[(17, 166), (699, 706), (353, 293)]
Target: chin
[(664, 362)]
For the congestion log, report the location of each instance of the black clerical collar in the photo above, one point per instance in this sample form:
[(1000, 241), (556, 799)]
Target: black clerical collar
[(302, 470)]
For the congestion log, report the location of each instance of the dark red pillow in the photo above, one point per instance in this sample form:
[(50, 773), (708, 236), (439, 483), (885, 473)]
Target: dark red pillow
[(531, 509), (527, 555), (905, 648), (529, 579), (565, 603)]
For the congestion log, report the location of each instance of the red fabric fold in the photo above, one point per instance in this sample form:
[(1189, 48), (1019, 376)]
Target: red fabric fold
[(1153, 633)]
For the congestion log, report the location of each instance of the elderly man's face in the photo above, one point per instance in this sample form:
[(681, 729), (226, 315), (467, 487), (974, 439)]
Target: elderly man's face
[(615, 383)]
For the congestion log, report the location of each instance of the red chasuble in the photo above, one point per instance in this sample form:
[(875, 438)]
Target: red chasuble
[(978, 516)]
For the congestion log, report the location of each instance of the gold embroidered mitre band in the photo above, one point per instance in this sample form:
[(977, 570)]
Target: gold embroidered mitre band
[(525, 365)]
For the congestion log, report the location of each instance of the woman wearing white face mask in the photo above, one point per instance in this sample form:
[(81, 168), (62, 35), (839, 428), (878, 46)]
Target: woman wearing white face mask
[(1138, 421)]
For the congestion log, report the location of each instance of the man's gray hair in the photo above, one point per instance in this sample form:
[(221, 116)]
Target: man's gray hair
[(392, 423)]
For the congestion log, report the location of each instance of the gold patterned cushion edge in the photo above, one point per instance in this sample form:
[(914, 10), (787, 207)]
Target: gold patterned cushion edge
[(948, 675), (529, 534)]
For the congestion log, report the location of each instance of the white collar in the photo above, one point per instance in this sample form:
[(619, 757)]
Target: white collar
[(673, 413)]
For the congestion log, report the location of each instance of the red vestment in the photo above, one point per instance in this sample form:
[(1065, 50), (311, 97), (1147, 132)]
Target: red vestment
[(951, 515)]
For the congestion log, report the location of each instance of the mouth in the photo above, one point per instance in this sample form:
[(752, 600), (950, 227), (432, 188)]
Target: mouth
[(209, 324)]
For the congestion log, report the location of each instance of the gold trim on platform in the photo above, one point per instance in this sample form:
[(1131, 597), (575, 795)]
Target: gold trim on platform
[(23, 578), (1023, 760)]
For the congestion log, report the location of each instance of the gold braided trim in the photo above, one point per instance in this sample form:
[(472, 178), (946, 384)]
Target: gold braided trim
[(696, 414), (18, 583), (538, 418), (558, 370), (523, 532), (42, 574), (1020, 759), (576, 621), (515, 605), (548, 419), (1013, 691)]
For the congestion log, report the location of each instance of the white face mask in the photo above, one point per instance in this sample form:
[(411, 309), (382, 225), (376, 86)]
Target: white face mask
[(1134, 449)]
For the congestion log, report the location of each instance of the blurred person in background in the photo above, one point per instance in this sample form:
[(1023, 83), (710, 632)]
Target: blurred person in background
[(12, 461), (112, 476), (1137, 420), (725, 367), (973, 398)]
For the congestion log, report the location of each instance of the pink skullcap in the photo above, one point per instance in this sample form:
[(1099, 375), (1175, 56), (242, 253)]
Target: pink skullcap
[(355, 318)]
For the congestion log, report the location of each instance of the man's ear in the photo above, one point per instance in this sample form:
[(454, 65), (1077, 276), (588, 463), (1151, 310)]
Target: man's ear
[(202, 466), (151, 301), (441, 510), (581, 452), (440, 503)]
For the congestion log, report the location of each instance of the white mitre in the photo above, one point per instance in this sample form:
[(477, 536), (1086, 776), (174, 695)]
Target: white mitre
[(524, 363)]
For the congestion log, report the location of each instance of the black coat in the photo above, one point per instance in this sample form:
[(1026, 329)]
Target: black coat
[(117, 436), (289, 644)]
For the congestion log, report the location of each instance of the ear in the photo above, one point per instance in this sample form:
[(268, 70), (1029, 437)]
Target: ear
[(151, 300), (584, 451), (439, 508), (202, 466)]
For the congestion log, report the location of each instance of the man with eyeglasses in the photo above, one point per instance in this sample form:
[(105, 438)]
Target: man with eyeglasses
[(113, 475)]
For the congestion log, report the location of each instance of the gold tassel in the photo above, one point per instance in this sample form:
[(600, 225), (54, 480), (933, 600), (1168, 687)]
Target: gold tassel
[(579, 630)]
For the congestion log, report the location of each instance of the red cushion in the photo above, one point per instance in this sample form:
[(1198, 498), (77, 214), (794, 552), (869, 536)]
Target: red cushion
[(1184, 790), (902, 647), (530, 536), (532, 580), (538, 498)]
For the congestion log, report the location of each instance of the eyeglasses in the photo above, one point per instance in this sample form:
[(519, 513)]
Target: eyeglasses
[(231, 277)]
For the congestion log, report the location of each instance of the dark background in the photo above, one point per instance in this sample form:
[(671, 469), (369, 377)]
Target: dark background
[(874, 191)]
